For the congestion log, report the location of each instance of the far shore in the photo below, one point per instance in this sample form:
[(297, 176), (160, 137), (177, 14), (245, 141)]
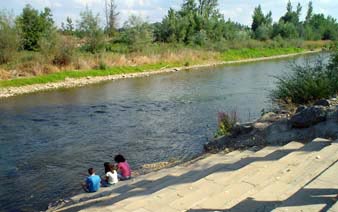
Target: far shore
[(78, 82)]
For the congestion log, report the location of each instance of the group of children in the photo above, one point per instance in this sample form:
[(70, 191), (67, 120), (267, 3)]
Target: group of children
[(112, 175)]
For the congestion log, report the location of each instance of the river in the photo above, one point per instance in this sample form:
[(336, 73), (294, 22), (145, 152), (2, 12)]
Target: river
[(49, 139)]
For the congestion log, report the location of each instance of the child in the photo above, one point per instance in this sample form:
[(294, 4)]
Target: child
[(92, 182), (124, 172), (110, 178)]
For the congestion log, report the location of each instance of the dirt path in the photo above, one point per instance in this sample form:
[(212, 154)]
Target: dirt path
[(72, 82)]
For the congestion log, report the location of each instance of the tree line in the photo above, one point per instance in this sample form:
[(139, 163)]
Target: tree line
[(196, 23)]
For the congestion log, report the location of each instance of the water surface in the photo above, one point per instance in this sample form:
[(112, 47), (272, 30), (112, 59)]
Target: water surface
[(48, 140)]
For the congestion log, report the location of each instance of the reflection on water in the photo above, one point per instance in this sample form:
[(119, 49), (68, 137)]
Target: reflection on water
[(49, 139)]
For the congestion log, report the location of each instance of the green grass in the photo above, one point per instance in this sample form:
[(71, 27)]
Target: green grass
[(239, 54), (61, 76), (230, 55)]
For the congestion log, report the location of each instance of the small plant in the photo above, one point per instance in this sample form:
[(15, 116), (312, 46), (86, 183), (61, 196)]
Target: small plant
[(102, 65), (226, 121)]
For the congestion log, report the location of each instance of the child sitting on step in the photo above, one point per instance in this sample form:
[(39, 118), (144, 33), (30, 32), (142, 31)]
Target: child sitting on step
[(123, 168)]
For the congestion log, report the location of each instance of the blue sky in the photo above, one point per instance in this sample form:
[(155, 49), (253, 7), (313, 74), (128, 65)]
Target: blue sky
[(154, 10)]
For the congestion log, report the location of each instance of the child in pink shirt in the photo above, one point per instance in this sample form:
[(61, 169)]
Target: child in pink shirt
[(123, 168)]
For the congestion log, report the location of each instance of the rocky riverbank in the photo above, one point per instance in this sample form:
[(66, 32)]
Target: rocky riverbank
[(278, 128), (73, 82)]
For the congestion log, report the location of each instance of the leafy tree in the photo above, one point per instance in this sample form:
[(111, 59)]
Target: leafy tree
[(89, 28), (196, 23), (137, 33), (290, 15), (33, 26), (309, 13), (208, 8), (261, 24), (68, 28)]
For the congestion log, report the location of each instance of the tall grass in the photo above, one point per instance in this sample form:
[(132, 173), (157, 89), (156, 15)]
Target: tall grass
[(308, 82)]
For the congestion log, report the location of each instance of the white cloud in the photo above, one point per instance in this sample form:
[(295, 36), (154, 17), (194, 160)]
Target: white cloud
[(88, 3)]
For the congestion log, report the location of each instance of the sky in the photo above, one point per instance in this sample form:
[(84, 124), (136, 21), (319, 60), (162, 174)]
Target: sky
[(154, 10)]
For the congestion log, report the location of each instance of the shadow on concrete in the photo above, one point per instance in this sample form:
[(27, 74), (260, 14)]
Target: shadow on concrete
[(303, 197), (147, 187)]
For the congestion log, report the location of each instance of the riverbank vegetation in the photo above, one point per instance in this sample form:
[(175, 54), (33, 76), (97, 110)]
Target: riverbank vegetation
[(308, 82), (32, 45)]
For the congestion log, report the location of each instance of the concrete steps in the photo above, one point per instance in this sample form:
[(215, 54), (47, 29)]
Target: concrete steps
[(295, 177), (318, 195), (152, 182), (176, 193), (291, 175)]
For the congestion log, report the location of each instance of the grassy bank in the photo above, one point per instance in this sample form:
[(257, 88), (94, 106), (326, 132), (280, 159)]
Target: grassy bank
[(240, 54), (151, 63)]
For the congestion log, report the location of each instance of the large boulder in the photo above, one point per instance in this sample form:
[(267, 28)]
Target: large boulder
[(308, 117)]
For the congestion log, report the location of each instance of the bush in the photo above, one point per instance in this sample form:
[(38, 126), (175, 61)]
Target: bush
[(102, 65), (65, 52), (226, 121), (9, 41), (57, 50), (307, 83)]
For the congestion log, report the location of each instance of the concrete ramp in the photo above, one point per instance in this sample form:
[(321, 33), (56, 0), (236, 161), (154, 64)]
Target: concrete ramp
[(294, 177)]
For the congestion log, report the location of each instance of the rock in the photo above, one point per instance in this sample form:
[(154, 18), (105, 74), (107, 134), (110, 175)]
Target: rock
[(322, 102), (240, 129), (300, 108), (260, 125), (284, 112), (269, 117), (308, 117)]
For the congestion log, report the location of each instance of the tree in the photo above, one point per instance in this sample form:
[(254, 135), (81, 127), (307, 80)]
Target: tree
[(292, 16), (68, 28), (197, 23), (261, 24), (111, 17), (309, 13), (289, 25), (33, 26), (89, 28), (208, 8), (137, 33)]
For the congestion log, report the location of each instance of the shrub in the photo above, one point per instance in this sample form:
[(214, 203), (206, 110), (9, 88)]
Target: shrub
[(226, 121), (89, 27), (9, 41), (102, 65), (308, 82), (57, 50), (65, 52)]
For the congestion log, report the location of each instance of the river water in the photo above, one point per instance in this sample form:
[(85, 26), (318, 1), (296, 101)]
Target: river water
[(49, 139)]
